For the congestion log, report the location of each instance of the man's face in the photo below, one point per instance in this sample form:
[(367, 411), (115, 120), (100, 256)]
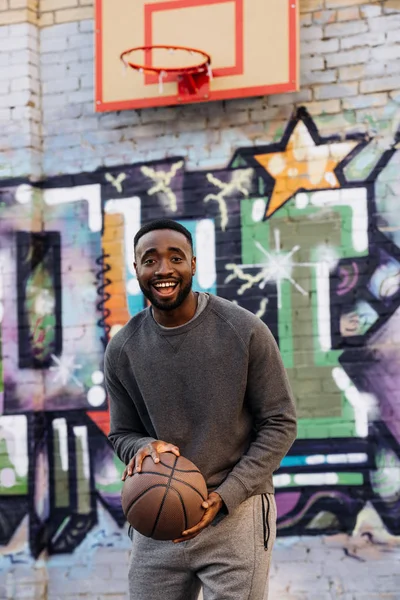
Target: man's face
[(165, 266)]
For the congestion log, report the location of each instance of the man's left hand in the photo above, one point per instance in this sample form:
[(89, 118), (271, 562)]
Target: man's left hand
[(213, 505)]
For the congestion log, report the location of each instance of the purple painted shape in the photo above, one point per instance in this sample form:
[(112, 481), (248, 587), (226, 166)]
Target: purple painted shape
[(382, 378), (286, 502)]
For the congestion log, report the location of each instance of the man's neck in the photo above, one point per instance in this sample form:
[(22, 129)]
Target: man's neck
[(179, 316)]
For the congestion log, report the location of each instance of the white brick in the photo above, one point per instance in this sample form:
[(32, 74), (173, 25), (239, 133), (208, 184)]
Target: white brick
[(386, 53), (15, 72), (359, 72), (24, 83), (24, 57), (81, 40), (384, 23), (86, 25), (66, 84), (15, 43), (319, 47), (392, 67), (326, 92), (62, 141), (374, 38), (350, 57), (16, 99), (312, 63), (290, 98), (345, 29), (102, 137), (365, 101), (50, 72), (5, 114), (63, 30), (393, 36), (53, 45), (370, 10), (380, 85), (124, 119), (80, 68), (53, 101), (311, 77), (80, 96), (23, 30), (311, 33), (87, 81), (86, 53), (60, 58)]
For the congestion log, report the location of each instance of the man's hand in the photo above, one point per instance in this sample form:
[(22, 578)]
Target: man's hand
[(154, 450), (213, 505)]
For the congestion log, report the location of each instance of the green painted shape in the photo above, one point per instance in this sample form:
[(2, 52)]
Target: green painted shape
[(20, 486), (61, 478), (322, 408), (116, 486), (350, 479), (83, 481)]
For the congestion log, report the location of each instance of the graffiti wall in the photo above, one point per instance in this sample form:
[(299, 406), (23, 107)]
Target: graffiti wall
[(303, 232)]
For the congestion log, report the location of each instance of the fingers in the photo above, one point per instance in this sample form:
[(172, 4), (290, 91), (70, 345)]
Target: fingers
[(154, 450), (174, 450), (214, 503), (128, 471), (194, 531), (140, 456)]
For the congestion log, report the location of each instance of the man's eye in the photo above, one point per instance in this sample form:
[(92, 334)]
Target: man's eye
[(176, 259), (149, 261)]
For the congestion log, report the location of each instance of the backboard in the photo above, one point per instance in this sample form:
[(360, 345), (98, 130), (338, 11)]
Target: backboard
[(253, 46)]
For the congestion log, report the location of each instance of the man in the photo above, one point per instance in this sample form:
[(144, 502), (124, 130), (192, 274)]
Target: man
[(198, 375)]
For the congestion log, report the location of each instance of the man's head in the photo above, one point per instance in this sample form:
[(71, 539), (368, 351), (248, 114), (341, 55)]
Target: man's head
[(164, 263)]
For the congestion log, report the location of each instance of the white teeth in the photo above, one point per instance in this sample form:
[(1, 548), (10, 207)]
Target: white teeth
[(164, 285)]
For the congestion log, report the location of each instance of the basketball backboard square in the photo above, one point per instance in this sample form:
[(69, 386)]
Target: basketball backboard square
[(253, 46)]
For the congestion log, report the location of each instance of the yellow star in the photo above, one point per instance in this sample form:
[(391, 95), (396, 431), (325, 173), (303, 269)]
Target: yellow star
[(302, 166)]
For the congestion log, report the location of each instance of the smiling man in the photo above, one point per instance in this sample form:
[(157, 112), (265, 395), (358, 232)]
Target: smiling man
[(197, 375)]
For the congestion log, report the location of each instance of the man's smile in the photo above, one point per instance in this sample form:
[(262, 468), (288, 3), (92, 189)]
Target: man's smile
[(165, 288)]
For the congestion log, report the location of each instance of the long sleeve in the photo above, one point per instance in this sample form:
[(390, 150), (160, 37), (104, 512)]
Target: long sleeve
[(270, 401), (127, 432)]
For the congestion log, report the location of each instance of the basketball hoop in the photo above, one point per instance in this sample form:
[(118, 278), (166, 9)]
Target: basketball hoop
[(191, 79)]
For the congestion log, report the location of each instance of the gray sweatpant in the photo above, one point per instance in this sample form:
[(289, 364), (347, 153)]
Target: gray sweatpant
[(229, 560)]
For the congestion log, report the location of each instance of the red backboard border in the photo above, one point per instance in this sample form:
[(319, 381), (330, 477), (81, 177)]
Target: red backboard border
[(289, 86)]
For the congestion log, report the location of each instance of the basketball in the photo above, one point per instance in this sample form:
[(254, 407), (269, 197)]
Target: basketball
[(165, 498)]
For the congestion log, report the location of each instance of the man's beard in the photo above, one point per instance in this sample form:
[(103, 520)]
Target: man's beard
[(182, 295)]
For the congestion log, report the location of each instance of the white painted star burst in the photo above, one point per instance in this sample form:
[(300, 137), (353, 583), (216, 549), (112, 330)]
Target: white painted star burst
[(277, 267), (64, 368)]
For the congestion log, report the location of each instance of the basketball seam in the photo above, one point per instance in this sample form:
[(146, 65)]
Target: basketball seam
[(142, 494), (183, 506), (181, 470), (164, 498), (175, 479)]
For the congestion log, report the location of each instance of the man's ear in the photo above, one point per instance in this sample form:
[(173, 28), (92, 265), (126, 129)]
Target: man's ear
[(193, 265)]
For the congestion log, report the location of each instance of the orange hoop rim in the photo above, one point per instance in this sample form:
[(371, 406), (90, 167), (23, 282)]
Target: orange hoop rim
[(202, 67)]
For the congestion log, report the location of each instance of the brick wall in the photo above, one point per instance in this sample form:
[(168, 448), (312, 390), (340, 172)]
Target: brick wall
[(312, 179)]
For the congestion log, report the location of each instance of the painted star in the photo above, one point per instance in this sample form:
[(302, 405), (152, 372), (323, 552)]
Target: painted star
[(303, 165), (64, 367)]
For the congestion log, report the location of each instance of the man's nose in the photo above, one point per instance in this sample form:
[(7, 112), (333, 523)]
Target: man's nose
[(164, 268)]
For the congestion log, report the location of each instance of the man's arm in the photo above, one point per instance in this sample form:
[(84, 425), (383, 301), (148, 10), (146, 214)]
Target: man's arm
[(127, 433), (271, 404)]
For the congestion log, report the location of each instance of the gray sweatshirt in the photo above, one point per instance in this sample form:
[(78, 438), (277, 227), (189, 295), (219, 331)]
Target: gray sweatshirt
[(215, 387)]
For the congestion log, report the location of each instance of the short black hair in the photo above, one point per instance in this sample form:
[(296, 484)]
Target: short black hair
[(163, 224)]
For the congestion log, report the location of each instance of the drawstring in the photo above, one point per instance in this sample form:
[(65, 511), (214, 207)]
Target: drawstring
[(265, 519)]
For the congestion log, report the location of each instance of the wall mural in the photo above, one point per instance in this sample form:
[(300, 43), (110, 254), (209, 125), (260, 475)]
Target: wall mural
[(302, 232)]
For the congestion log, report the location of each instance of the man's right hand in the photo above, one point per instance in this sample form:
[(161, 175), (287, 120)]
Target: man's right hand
[(154, 449)]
